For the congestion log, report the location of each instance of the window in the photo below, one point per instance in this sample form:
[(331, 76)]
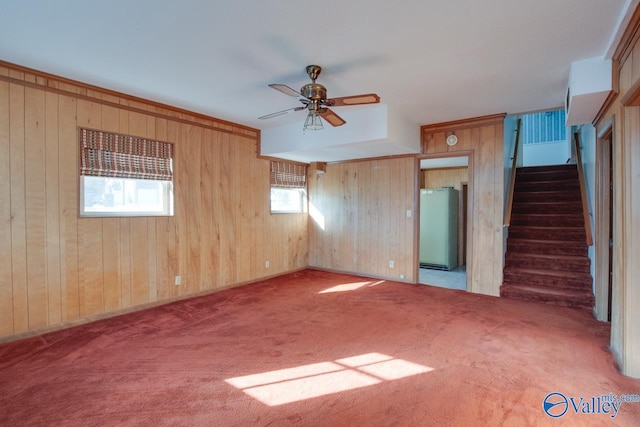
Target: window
[(288, 187), (124, 175), (548, 126), (287, 200)]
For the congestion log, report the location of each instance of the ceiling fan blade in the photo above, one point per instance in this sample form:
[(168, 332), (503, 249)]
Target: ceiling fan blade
[(285, 89), (369, 98), (332, 118), (280, 113)]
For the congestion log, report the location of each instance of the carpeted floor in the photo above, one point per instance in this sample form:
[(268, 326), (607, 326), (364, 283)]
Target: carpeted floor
[(315, 349)]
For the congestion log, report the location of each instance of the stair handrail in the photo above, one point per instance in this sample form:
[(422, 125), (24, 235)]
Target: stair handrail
[(583, 190), (512, 176)]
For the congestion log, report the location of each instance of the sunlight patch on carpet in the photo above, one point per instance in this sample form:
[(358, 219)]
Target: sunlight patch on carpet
[(320, 379), (384, 367), (345, 287)]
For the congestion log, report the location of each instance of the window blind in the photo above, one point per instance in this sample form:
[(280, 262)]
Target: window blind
[(288, 175), (114, 155)]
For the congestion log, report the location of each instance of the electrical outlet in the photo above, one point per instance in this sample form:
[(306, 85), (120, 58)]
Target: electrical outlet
[(408, 213), (266, 264), (402, 276), (178, 280), (392, 264)]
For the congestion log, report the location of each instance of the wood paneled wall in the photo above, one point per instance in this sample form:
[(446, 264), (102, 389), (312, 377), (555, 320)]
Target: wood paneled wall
[(360, 208), (444, 177), (56, 267), (359, 218), (482, 140), (623, 114)]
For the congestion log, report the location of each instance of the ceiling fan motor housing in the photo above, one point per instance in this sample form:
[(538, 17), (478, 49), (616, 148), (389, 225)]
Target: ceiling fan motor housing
[(314, 91)]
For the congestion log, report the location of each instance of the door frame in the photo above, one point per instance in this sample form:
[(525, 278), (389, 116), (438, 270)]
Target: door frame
[(464, 231), (605, 159), (416, 220)]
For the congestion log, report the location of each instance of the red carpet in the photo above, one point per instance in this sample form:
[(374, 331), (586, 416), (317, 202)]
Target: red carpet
[(315, 349)]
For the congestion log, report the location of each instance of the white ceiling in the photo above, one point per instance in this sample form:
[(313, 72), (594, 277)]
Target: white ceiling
[(444, 162), (432, 60)]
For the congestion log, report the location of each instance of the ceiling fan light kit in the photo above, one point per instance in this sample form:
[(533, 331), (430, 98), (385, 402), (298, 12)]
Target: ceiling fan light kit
[(313, 97), (313, 122)]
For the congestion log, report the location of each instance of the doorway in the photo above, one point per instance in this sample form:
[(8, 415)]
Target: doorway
[(462, 230), (605, 195), (438, 176), (610, 208), (545, 139)]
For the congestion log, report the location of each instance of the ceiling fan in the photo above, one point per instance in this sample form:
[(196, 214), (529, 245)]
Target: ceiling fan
[(313, 97)]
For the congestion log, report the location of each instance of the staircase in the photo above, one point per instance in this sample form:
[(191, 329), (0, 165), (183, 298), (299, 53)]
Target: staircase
[(546, 258)]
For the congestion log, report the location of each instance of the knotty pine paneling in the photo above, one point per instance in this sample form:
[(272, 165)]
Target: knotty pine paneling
[(625, 215), (444, 177), (57, 268), (482, 140), (52, 226), (358, 219), (68, 205), (17, 201), (6, 291)]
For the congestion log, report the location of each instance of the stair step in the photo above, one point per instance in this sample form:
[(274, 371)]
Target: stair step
[(561, 297), (550, 220), (547, 168), (580, 264), (548, 233), (549, 278), (524, 175), (572, 194), (567, 207), (547, 247), (525, 186)]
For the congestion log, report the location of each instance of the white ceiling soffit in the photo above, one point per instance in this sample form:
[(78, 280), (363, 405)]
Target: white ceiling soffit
[(375, 131), (590, 83), (432, 60), (444, 162)]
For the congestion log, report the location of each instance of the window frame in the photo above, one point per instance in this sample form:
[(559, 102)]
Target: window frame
[(109, 155), (290, 176), (168, 205), (303, 201)]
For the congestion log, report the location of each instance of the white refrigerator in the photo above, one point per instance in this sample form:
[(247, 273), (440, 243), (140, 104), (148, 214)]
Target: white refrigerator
[(439, 228)]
